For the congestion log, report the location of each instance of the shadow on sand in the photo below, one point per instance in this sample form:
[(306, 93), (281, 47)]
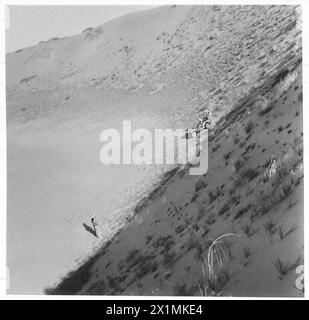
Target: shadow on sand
[(89, 229)]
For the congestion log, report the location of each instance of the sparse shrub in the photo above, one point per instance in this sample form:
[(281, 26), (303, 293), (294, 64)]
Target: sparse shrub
[(247, 252), (181, 289), (28, 79), (113, 282), (255, 213), (169, 259), (261, 104), (236, 139), (214, 277), (269, 203), (98, 288), (215, 148), (227, 156), (200, 184), (284, 267), (166, 242), (242, 211), (224, 208), (238, 164), (201, 212), (272, 165), (131, 255), (270, 228), (179, 229), (195, 196), (212, 197), (249, 127), (206, 231), (291, 203), (249, 173), (239, 182), (148, 238), (286, 191), (145, 265), (283, 234), (248, 230), (211, 219)]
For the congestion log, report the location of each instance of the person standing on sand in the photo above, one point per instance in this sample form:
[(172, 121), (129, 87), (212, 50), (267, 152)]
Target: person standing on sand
[(95, 226)]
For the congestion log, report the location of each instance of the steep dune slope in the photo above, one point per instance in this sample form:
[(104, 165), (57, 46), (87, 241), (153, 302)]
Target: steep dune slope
[(163, 246)]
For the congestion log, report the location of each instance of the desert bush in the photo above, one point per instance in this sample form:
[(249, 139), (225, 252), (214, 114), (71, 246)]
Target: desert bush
[(211, 219), (182, 289), (286, 191), (236, 139), (97, 288), (214, 276), (166, 242), (283, 234), (249, 127), (212, 197), (131, 255), (201, 212), (113, 282), (169, 259), (238, 164), (242, 211), (224, 208), (145, 265), (227, 156), (200, 184), (266, 205), (249, 173), (194, 196), (248, 230), (270, 228), (261, 103), (247, 252), (284, 83), (283, 268)]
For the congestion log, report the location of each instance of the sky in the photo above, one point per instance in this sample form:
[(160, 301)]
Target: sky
[(27, 25)]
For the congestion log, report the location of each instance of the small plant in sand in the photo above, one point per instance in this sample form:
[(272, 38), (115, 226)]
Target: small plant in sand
[(200, 184), (284, 267), (248, 230), (247, 252), (272, 166), (238, 164), (249, 127), (270, 228), (249, 173), (286, 191), (181, 289), (261, 104), (214, 277), (291, 202), (284, 233), (212, 197)]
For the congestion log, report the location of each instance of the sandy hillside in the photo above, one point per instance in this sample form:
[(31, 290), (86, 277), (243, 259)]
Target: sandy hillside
[(162, 248), (157, 68)]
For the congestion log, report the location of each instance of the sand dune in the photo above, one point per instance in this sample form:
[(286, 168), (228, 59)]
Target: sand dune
[(161, 250)]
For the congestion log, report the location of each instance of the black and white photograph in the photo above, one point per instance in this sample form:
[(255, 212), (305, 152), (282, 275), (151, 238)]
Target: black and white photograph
[(154, 150)]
